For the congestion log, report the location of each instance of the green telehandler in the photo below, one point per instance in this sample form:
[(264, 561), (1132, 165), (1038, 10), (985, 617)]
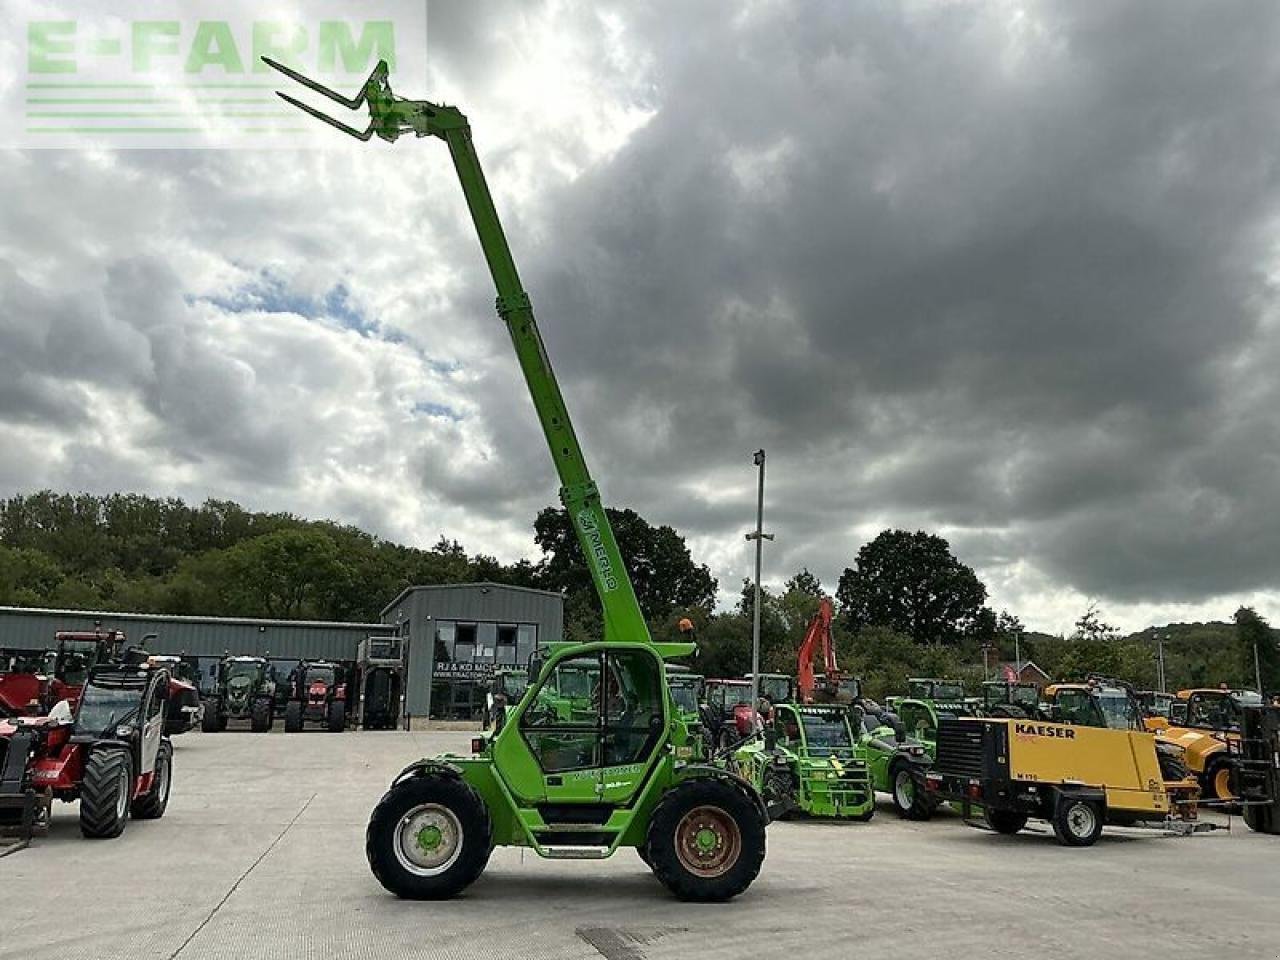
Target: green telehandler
[(808, 762), (619, 774)]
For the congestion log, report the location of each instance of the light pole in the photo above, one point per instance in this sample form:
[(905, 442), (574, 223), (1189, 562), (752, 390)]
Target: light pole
[(1160, 661), (759, 536), (1257, 669)]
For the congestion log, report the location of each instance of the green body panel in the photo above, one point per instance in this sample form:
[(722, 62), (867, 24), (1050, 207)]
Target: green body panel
[(879, 747), (827, 781)]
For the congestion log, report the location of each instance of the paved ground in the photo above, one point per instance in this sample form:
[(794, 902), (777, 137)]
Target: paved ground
[(261, 855)]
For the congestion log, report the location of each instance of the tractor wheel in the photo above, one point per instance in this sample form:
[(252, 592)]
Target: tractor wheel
[(909, 796), (1219, 777), (1077, 822), (1262, 819), (151, 805), (209, 721), (1007, 822), (337, 718), (1172, 767), (293, 716), (706, 840), (429, 838), (260, 716), (643, 852), (105, 793)]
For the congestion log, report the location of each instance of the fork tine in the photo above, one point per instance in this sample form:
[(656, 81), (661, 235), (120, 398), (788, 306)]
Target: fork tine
[(351, 103), (350, 131)]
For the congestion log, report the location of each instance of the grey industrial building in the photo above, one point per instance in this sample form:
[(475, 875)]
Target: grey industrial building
[(458, 634), (455, 636)]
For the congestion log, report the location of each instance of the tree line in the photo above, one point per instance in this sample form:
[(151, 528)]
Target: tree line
[(907, 605)]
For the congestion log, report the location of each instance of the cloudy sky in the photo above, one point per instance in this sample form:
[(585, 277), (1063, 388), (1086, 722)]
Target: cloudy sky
[(1003, 271)]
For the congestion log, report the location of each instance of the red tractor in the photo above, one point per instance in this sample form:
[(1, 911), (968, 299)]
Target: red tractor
[(109, 752), (58, 674), (317, 692)]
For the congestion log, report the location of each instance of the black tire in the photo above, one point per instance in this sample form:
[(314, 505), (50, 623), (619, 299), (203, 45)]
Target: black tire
[(1007, 822), (1262, 819), (866, 815), (1077, 822), (724, 811), (1219, 779), (293, 716), (151, 805), (337, 716), (1172, 767), (446, 800), (105, 793), (260, 716), (209, 721), (910, 799), (643, 852)]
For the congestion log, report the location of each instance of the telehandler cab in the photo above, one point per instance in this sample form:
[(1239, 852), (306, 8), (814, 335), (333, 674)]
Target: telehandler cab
[(618, 776)]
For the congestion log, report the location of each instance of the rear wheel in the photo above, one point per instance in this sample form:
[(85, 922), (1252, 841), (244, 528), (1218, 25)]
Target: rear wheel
[(260, 716), (909, 796), (105, 793), (1077, 822), (151, 805), (429, 838), (1262, 819), (1007, 822), (706, 840), (337, 716), (293, 716), (209, 721)]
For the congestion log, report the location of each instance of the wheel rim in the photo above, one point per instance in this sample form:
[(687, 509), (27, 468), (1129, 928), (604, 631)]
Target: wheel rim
[(1081, 820), (122, 795), (1222, 784), (904, 789), (162, 774), (428, 839), (708, 841)]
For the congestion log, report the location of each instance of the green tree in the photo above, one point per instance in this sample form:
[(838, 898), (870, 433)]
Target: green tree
[(1253, 633), (913, 584), (658, 560), (1094, 647)]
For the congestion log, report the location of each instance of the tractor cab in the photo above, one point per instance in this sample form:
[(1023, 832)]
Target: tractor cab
[(946, 695), (380, 665), (1093, 704), (730, 716), (687, 692), (776, 687), (1002, 698), (1156, 703), (505, 690), (1217, 709)]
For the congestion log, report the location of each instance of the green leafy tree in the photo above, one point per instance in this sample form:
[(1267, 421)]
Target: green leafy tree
[(913, 584), (1094, 647), (1253, 633), (661, 567)]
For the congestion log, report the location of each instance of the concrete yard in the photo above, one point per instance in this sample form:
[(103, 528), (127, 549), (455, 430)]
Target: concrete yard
[(261, 855)]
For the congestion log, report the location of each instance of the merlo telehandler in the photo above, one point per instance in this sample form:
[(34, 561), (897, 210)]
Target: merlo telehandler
[(618, 775)]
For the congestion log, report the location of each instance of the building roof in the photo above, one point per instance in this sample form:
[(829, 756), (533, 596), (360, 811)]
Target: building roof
[(482, 585), (1026, 664), (182, 618)]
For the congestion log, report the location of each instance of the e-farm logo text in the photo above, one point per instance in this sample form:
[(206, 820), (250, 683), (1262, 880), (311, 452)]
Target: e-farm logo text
[(189, 73)]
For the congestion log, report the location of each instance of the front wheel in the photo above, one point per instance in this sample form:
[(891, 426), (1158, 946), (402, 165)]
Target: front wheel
[(337, 716), (429, 838), (1219, 779), (151, 805), (1077, 822), (260, 716), (910, 799), (209, 719), (706, 840), (105, 793), (293, 716)]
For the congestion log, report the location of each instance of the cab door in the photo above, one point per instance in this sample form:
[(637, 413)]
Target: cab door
[(633, 720), (151, 717)]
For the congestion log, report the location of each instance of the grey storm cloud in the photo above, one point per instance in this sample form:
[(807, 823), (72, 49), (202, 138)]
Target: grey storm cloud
[(999, 270)]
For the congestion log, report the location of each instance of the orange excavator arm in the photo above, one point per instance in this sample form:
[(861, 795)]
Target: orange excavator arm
[(818, 633)]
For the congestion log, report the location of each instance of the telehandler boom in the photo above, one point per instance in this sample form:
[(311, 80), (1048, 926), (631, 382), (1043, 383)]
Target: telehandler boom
[(571, 776)]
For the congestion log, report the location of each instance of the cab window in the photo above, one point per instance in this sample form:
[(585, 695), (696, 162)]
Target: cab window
[(560, 725)]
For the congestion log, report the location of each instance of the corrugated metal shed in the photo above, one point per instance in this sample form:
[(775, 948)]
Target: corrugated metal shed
[(34, 627)]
